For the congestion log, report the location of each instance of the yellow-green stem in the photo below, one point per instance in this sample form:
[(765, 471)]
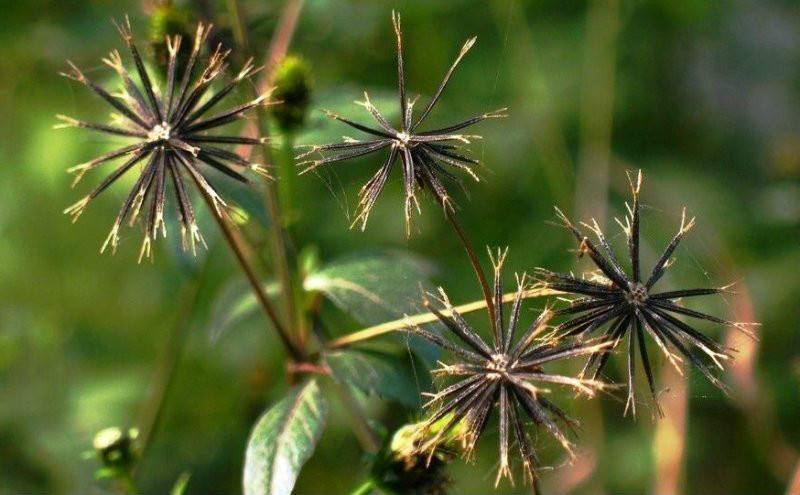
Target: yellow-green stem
[(423, 318)]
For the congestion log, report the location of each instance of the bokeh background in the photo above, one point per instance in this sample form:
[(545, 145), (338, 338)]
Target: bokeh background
[(703, 95)]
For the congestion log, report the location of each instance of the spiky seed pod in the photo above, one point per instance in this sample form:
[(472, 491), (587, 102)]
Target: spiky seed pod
[(620, 305), (506, 372), (169, 128), (427, 158)]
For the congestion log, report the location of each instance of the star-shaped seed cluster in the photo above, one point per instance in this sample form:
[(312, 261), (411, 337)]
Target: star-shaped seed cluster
[(169, 129), (427, 158)]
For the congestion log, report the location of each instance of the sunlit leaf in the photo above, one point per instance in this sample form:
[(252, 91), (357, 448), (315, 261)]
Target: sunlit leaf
[(375, 372), (283, 440), (377, 287)]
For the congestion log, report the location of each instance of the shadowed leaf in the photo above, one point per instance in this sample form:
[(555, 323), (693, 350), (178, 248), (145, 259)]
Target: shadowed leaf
[(375, 372)]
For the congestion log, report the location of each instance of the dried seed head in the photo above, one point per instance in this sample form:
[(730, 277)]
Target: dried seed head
[(169, 129), (507, 371), (427, 158), (619, 304)]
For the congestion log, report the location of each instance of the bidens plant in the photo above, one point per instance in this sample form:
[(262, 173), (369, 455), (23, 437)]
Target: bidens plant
[(174, 127)]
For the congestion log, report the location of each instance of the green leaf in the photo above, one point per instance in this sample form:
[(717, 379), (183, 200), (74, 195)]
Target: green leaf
[(234, 303), (381, 373), (377, 287), (282, 441), (373, 287)]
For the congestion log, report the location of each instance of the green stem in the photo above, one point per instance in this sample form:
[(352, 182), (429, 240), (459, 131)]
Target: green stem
[(364, 489), (366, 437), (286, 185), (424, 318), (239, 33)]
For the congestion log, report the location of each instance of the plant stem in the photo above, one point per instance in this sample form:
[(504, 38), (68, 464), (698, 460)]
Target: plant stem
[(153, 409), (536, 487), (473, 259), (278, 241), (239, 34), (366, 436), (423, 318), (794, 482), (252, 278), (369, 441), (364, 489)]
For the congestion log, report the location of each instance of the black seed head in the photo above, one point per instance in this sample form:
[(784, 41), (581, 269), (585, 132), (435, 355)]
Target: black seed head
[(621, 304), (427, 158), (169, 129), (506, 372)]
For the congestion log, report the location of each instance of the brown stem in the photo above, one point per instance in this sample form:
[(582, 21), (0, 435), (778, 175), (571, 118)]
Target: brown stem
[(536, 487), (252, 278), (473, 259), (794, 483), (279, 246), (423, 318), (287, 25)]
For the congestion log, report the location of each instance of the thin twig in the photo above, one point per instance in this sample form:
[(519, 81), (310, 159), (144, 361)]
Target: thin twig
[(423, 318), (369, 441), (252, 278), (794, 483), (279, 240), (473, 259)]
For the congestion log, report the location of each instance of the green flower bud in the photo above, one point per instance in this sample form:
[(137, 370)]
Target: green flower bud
[(407, 465), (293, 90)]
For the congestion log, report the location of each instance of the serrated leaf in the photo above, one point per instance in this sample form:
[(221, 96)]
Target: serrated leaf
[(377, 287), (373, 287), (282, 441), (381, 373)]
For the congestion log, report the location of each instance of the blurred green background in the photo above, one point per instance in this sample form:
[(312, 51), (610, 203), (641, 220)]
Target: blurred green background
[(703, 95)]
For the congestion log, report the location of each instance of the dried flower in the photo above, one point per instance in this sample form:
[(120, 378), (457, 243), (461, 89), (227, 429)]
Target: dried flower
[(626, 304), (507, 373), (425, 155), (169, 130)]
